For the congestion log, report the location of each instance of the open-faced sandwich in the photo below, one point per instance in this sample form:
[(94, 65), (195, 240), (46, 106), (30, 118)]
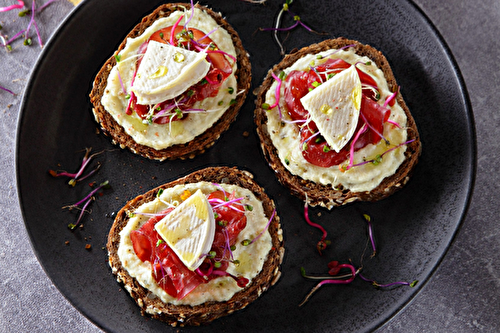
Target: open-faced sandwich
[(334, 126), (174, 85), (197, 248)]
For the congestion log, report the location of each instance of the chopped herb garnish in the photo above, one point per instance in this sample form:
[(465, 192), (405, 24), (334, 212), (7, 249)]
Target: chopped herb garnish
[(118, 57), (326, 149), (27, 41), (220, 103), (179, 113), (265, 106), (23, 13), (233, 101), (230, 90)]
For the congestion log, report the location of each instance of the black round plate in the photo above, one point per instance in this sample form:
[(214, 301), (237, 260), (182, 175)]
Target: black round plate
[(413, 228)]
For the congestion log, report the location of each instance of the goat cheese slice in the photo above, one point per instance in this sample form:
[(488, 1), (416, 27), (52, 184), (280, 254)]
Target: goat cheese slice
[(167, 71), (334, 106), (189, 229)]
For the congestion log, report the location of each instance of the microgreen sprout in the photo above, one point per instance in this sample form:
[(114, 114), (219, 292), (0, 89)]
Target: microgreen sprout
[(20, 4), (351, 153), (7, 90), (76, 177), (24, 13), (277, 27), (218, 203), (323, 243), (334, 270), (247, 242), (85, 201), (241, 281), (368, 220), (391, 284), (391, 98), (379, 157), (343, 279)]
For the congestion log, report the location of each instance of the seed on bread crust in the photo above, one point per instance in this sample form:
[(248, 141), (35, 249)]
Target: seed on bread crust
[(326, 195), (203, 141)]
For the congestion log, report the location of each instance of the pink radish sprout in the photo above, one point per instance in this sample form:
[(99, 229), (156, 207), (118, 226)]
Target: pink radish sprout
[(76, 177), (322, 244), (173, 30), (332, 281), (394, 123), (247, 242), (20, 4), (351, 152), (374, 129), (370, 233), (378, 158), (391, 97), (191, 16), (86, 201), (7, 90), (397, 283)]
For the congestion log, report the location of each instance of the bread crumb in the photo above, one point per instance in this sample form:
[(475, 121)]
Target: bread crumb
[(66, 242), (246, 134), (88, 246)]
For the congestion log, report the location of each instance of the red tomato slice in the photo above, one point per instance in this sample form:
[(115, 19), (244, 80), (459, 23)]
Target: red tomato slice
[(315, 154)]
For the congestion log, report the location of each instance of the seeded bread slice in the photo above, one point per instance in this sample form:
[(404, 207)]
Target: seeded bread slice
[(200, 314), (324, 195), (203, 141)]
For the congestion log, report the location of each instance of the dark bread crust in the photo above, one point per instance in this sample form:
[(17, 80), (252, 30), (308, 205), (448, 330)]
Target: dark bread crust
[(322, 195), (203, 141), (201, 314)]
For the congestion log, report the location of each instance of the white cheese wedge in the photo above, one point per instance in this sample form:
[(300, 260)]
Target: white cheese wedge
[(167, 71), (334, 107), (189, 229)]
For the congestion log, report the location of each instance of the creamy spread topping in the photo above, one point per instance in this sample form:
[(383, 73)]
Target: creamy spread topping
[(160, 136), (251, 258), (285, 136)]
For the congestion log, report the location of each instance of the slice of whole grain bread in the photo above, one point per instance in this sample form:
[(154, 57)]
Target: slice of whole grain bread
[(200, 314), (203, 141), (326, 195)]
